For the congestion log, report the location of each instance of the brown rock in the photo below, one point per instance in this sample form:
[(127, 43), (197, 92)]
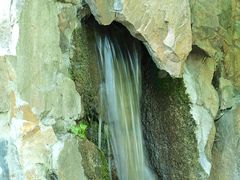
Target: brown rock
[(163, 26)]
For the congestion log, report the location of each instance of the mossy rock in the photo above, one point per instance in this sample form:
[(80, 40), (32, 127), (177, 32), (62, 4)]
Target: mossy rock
[(168, 126), (84, 68), (93, 160)]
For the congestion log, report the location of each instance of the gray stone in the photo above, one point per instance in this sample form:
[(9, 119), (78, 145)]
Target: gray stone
[(4, 170), (77, 159), (15, 169), (4, 91), (67, 160), (226, 93), (42, 74), (204, 103), (226, 151)]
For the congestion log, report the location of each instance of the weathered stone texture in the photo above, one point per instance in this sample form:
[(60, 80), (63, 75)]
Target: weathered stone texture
[(42, 77), (93, 161), (4, 170), (67, 159), (226, 151), (78, 159), (5, 78), (198, 77), (215, 28), (36, 92), (9, 27), (163, 26), (39, 101), (84, 68)]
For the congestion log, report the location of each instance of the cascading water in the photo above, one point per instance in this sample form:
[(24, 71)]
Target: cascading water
[(120, 103)]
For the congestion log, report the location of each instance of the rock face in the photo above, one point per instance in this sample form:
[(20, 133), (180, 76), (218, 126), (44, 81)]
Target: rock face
[(67, 160), (9, 29), (78, 159), (84, 68), (43, 80), (226, 151), (214, 59), (93, 161), (198, 77), (215, 28), (163, 26), (168, 126), (39, 101), (48, 76)]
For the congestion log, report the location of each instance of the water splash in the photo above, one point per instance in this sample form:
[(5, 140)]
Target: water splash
[(120, 104)]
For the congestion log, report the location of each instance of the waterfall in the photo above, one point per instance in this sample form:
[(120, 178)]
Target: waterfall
[(120, 91)]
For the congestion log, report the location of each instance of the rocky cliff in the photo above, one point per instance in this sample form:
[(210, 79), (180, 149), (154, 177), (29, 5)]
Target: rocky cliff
[(49, 83)]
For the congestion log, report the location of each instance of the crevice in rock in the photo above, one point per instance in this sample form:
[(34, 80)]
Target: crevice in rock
[(88, 56), (168, 126), (197, 50), (51, 175)]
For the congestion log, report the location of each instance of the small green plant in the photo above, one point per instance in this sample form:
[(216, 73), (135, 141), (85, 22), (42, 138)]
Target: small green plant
[(79, 130)]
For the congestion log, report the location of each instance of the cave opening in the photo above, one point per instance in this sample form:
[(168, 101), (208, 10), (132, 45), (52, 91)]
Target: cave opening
[(167, 126)]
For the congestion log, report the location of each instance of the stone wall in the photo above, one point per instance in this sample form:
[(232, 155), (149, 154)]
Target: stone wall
[(191, 127), (39, 100), (206, 55)]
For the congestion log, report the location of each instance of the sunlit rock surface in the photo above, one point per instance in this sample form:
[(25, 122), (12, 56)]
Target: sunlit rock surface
[(9, 26), (163, 26), (67, 160), (37, 95), (215, 28), (204, 103)]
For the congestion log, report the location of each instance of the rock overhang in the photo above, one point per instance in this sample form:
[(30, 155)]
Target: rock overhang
[(164, 27)]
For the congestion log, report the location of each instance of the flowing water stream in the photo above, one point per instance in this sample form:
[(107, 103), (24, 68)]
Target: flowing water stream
[(120, 103)]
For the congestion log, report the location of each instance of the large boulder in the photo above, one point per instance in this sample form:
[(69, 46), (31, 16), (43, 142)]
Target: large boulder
[(38, 99), (67, 160), (78, 159), (163, 26)]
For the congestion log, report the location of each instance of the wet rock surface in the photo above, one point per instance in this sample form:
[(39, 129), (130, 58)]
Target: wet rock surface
[(168, 126)]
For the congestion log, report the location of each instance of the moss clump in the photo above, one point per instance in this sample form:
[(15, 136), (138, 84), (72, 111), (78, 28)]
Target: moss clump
[(105, 171), (84, 72), (84, 69), (168, 127)]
